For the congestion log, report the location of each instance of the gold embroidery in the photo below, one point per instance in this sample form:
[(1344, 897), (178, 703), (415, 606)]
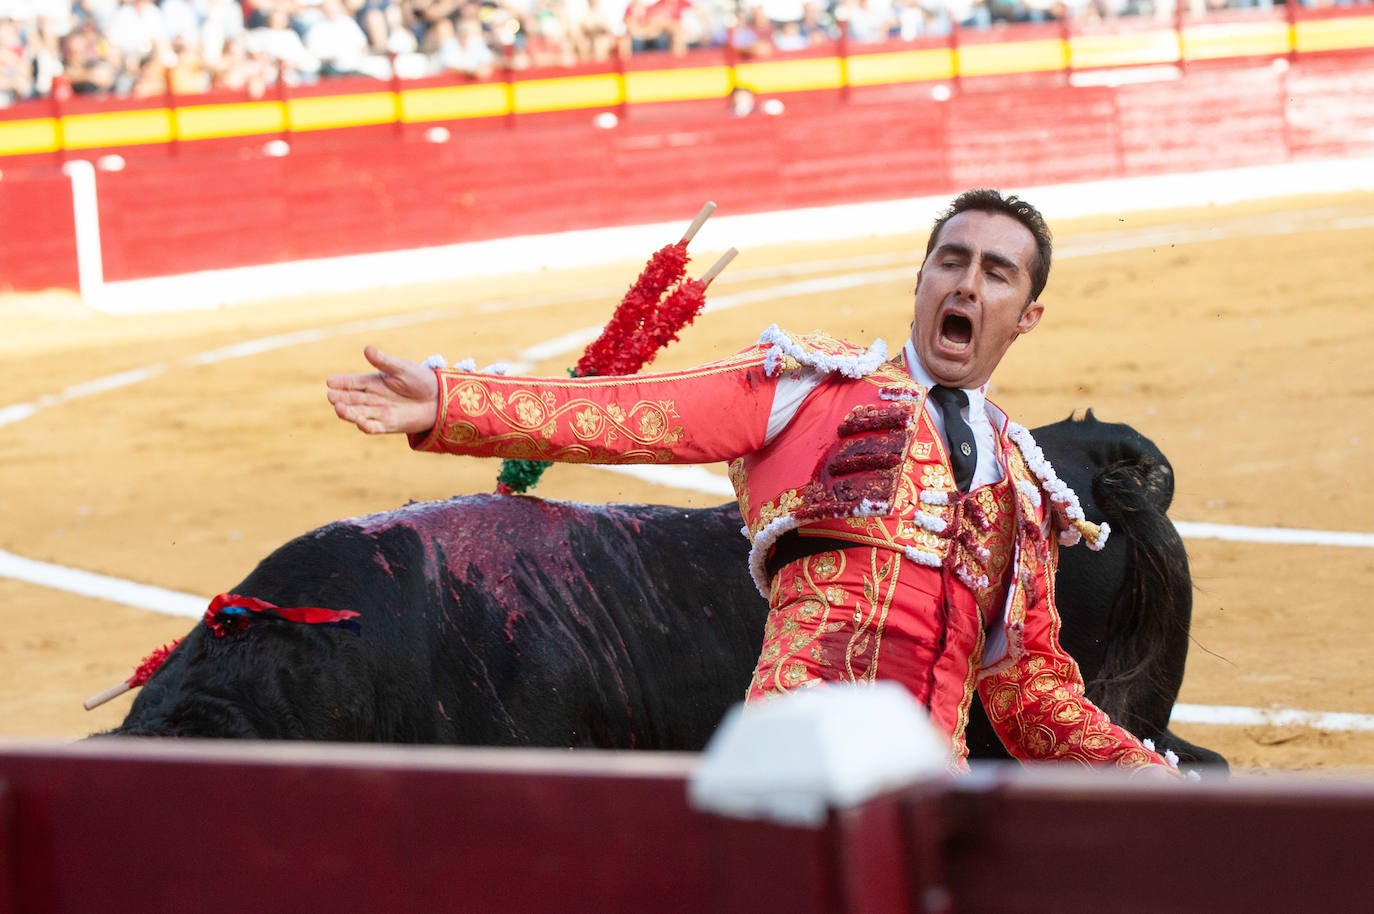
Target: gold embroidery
[(651, 425), (935, 476), (786, 503), (1038, 704), (588, 423), (470, 398), (531, 423), (529, 411)]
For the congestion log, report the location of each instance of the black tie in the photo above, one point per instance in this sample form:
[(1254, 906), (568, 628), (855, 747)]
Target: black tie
[(963, 452)]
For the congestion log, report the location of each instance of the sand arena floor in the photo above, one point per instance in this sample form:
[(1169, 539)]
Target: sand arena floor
[(1240, 338)]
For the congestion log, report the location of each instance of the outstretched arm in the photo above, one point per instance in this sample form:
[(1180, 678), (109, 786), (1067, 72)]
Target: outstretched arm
[(401, 396)]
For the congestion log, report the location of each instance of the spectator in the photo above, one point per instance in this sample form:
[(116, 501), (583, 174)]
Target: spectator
[(867, 21), (553, 37), (683, 22), (371, 18), (753, 35), (505, 33), (137, 30), (93, 63), (240, 69), (780, 11), (787, 36), (646, 29), (462, 48), (336, 41), (401, 46), (187, 73), (279, 45), (425, 13), (101, 11), (176, 68), (16, 66), (181, 20), (221, 20), (601, 31), (817, 24), (44, 39)]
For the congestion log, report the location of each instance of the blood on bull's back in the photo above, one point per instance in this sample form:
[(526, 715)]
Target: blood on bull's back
[(483, 620)]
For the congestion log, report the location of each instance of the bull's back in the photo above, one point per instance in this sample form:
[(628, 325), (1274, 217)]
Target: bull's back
[(483, 620)]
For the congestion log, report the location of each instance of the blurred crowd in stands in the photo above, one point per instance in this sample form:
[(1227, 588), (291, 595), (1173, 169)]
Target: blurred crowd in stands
[(144, 48)]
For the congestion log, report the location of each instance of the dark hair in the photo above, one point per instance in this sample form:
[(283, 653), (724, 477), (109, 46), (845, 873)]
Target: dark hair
[(987, 200)]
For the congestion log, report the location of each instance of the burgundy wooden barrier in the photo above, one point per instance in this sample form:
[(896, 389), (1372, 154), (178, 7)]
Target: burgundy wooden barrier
[(233, 827)]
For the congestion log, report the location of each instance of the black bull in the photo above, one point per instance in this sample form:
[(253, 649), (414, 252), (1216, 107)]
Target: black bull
[(490, 620)]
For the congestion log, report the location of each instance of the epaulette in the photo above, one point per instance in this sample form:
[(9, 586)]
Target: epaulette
[(819, 351)]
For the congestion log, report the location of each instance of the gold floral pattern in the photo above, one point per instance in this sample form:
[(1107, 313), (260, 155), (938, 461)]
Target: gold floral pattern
[(531, 422), (820, 630), (1038, 708), (786, 503)]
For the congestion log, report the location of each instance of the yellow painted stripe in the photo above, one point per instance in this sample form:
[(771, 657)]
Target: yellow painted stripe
[(447, 103), (901, 67), (194, 122), (1335, 34), (644, 86), (117, 128), (204, 122), (568, 93), (1011, 57), (1237, 39), (791, 75), (1132, 48), (26, 137), (328, 112)]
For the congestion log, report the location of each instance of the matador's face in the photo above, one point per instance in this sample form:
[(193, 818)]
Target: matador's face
[(973, 297)]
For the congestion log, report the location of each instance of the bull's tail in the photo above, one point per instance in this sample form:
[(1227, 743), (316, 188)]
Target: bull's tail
[(1148, 629)]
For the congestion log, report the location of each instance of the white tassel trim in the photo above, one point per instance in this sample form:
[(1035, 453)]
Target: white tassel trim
[(1062, 498), (758, 553), (469, 365), (851, 366), (870, 508), (930, 522), (1170, 755), (969, 580), (923, 558), (934, 497)]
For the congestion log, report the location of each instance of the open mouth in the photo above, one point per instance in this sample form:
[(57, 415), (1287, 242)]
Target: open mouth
[(956, 329)]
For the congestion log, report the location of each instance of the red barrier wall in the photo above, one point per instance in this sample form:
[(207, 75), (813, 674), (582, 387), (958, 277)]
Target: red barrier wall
[(369, 191), (39, 241)]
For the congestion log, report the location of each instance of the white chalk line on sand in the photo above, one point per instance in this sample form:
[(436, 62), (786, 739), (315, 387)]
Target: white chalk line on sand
[(100, 586)]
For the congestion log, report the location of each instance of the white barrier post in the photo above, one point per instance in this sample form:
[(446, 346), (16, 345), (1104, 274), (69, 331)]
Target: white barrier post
[(793, 758), (90, 268)]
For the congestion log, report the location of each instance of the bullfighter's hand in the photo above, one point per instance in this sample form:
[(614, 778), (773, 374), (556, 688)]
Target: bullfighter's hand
[(401, 396)]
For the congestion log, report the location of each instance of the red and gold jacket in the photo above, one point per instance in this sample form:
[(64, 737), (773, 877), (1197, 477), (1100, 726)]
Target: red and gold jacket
[(834, 440)]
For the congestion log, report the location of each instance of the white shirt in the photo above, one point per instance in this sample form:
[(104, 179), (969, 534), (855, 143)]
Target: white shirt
[(988, 469)]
